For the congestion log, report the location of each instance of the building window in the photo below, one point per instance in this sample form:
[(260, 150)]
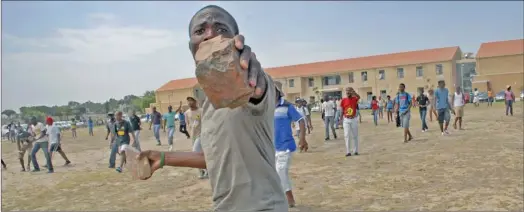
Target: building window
[(383, 93), (351, 77), (364, 75), (291, 83), (381, 75), (311, 82), (420, 71), (438, 69), (332, 80), (400, 73)]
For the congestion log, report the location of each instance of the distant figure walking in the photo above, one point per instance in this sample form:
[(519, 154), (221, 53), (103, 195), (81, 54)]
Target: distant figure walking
[(509, 98), (389, 109), (432, 105), (90, 126), (375, 109), (329, 117), (458, 103), (73, 128), (490, 98)]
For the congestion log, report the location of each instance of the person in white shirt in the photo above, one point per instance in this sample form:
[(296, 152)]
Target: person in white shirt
[(338, 113), (53, 132), (476, 97), (38, 131), (307, 116), (328, 108), (303, 112), (459, 101)]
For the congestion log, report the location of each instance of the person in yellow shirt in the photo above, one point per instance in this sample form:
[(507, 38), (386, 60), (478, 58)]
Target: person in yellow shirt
[(73, 128), (490, 98)]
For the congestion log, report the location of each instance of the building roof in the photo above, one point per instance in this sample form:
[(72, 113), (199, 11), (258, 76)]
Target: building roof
[(363, 63), (179, 84), (351, 64), (501, 48)]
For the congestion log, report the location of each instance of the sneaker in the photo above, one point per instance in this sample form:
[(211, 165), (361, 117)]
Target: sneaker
[(67, 163), (35, 170), (446, 132), (119, 170), (348, 154), (158, 144), (443, 134), (327, 139), (170, 148), (45, 166), (356, 153), (50, 171)]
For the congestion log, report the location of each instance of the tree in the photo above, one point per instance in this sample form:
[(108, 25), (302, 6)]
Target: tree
[(73, 104), (8, 112)]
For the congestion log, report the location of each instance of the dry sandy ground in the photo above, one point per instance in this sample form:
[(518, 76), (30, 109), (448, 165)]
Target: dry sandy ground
[(480, 168)]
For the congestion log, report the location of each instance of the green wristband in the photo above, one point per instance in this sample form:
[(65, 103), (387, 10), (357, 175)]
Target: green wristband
[(162, 159)]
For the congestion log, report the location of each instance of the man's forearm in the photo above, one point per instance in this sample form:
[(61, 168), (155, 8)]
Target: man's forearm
[(185, 159), (134, 139), (18, 145), (302, 127)]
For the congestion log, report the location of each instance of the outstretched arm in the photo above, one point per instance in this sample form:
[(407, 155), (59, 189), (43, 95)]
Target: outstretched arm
[(177, 159)]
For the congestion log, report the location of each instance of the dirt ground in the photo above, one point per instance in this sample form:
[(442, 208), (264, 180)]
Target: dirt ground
[(480, 168)]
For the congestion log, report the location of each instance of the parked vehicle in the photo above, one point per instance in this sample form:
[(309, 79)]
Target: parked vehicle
[(5, 131), (500, 96), (364, 105), (483, 97), (315, 109), (80, 124)]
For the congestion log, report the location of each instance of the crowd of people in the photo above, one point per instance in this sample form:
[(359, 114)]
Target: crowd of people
[(246, 152)]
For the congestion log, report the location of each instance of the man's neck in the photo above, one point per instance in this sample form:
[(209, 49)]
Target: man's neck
[(194, 108)]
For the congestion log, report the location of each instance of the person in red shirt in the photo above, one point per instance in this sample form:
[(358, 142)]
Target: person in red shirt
[(374, 107), (349, 120)]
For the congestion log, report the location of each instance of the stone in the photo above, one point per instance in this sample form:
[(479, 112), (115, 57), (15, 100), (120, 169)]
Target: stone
[(219, 73), (140, 169)]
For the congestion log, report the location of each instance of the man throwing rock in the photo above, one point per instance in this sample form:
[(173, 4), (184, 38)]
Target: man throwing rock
[(238, 143)]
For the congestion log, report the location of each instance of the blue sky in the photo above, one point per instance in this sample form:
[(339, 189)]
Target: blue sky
[(97, 50)]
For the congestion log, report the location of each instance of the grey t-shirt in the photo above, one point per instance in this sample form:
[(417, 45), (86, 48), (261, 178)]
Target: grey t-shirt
[(240, 156)]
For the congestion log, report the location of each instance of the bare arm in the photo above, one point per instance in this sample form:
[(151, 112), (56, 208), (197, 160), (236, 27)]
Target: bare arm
[(108, 132), (302, 127), (179, 108), (410, 104), (18, 145), (185, 159), (186, 119), (176, 159)]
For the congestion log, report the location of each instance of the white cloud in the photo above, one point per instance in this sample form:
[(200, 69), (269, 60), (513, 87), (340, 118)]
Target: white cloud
[(94, 63)]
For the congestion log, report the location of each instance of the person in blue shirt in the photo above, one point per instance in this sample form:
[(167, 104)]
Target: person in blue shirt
[(285, 114), (169, 122), (403, 107), (90, 126), (182, 119), (443, 107)]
